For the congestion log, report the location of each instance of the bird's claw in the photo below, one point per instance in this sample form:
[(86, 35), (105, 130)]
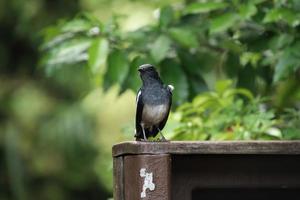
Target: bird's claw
[(163, 140)]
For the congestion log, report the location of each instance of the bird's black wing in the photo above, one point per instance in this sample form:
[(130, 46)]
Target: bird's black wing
[(138, 115), (163, 122)]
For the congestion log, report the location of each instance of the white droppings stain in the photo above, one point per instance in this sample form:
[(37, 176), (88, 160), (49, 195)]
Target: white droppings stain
[(148, 181)]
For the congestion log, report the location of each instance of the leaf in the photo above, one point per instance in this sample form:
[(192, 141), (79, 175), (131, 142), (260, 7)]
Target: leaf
[(271, 16), (274, 132), (233, 45), (247, 10), (160, 48), (79, 27), (98, 53), (291, 133), (223, 85), (287, 64), (250, 58), (172, 74), (133, 80), (117, 68), (223, 22), (81, 23), (282, 14), (53, 37), (67, 53), (166, 16), (238, 91), (76, 25), (184, 37), (281, 41), (258, 1), (204, 7)]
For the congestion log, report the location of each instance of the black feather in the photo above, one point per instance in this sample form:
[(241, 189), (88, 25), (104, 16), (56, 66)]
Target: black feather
[(164, 121), (138, 115), (157, 98)]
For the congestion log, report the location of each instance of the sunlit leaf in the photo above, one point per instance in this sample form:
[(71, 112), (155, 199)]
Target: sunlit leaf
[(223, 85), (203, 7), (67, 53), (117, 68), (98, 53), (250, 58), (160, 48), (133, 79), (54, 36), (81, 23), (223, 22), (238, 91), (184, 37), (282, 14), (166, 16), (274, 132), (172, 74), (76, 25), (247, 10), (281, 41), (286, 65)]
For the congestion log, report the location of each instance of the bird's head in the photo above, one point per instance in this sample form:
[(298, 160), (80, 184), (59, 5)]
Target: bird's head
[(146, 68), (147, 72)]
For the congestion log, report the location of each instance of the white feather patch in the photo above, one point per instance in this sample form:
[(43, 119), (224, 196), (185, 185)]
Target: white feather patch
[(171, 87), (138, 96)]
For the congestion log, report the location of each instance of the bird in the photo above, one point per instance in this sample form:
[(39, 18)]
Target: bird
[(154, 100)]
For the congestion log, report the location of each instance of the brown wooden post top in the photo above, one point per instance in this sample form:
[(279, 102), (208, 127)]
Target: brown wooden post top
[(189, 170), (208, 147)]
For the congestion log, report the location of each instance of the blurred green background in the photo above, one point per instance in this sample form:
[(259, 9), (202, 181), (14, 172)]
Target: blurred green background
[(68, 81)]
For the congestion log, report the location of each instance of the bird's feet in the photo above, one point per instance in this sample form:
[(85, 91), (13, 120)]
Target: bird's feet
[(163, 139), (153, 140), (141, 140)]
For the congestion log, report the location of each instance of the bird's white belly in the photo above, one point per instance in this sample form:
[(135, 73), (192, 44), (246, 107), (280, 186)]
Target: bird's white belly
[(154, 114)]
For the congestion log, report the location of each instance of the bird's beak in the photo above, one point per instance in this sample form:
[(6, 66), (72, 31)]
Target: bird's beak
[(140, 70)]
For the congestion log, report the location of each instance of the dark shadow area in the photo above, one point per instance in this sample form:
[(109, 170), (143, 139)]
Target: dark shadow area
[(217, 177), (245, 194)]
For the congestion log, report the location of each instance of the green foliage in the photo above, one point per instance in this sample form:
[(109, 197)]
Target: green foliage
[(118, 68), (73, 42), (288, 63), (232, 114), (204, 7), (224, 114), (98, 53), (291, 124), (206, 40), (255, 43), (223, 22), (160, 48), (58, 130)]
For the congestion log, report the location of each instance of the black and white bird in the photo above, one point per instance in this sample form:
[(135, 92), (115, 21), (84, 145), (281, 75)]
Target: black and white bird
[(154, 101)]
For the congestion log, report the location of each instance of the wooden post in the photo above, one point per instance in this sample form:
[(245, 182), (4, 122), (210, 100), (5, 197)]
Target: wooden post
[(147, 177), (142, 177), (207, 170), (118, 165)]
